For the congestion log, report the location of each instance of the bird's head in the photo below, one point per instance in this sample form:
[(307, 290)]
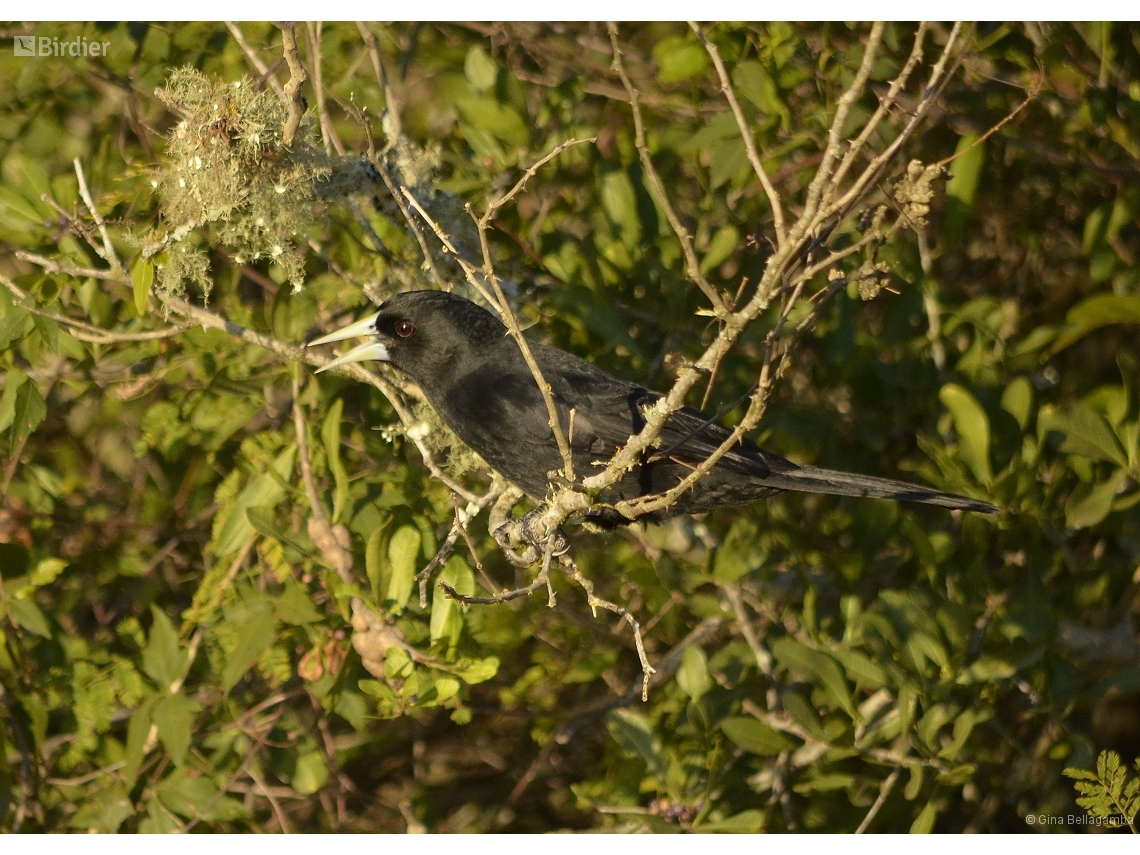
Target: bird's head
[(420, 332)]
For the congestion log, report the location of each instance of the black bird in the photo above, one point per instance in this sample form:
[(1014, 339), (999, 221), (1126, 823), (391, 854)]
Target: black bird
[(473, 374)]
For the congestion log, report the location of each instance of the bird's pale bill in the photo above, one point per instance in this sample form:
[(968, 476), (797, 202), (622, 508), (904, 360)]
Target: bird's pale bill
[(370, 350)]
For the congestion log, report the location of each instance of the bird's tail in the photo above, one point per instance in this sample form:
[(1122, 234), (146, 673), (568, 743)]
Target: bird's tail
[(785, 475)]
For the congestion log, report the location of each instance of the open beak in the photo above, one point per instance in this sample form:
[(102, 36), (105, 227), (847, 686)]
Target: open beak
[(370, 350)]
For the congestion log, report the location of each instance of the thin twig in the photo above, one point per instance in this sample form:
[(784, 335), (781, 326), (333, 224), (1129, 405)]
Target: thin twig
[(381, 71), (884, 791), (657, 186), (745, 134), (70, 269), (458, 528), (256, 62), (327, 131), (594, 602), (886, 104), (108, 253)]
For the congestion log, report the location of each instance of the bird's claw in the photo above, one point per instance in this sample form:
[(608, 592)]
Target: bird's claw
[(526, 532)]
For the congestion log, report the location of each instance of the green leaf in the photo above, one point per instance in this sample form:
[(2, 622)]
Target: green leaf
[(263, 491), (26, 614), (403, 552), (330, 436), (924, 822), (746, 822), (864, 670), (987, 669), (174, 715), (459, 576), (804, 715), (22, 406), (105, 812), (631, 730), (295, 606), (1089, 505), (755, 84), (1017, 400), (966, 172), (311, 773), (374, 564), (254, 636), (818, 665), (722, 245), (1095, 312), (143, 278), (46, 572), (693, 676), (1086, 432), (162, 658), (13, 327), (973, 429), (191, 795), (478, 670), (678, 59), (138, 729), (754, 736), (480, 70), (620, 204)]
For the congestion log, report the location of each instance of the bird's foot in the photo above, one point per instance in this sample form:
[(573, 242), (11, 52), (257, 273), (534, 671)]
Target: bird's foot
[(528, 533)]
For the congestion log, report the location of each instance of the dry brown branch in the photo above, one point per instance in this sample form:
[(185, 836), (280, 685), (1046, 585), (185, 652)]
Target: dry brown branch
[(462, 518), (808, 220), (931, 92), (886, 104), (108, 251), (71, 270), (745, 134), (657, 187), (256, 61), (381, 71), (884, 791), (328, 133), (297, 105)]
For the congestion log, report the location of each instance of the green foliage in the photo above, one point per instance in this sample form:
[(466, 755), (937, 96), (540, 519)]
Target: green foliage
[(1109, 793), (178, 649)]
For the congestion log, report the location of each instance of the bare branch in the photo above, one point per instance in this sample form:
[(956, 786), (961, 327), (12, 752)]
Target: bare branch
[(884, 791), (297, 105), (332, 141), (108, 253), (886, 104), (496, 204), (255, 61), (808, 220), (692, 264), (391, 104), (745, 134)]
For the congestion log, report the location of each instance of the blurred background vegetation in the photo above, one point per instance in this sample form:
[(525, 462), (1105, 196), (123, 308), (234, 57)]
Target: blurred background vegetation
[(175, 648)]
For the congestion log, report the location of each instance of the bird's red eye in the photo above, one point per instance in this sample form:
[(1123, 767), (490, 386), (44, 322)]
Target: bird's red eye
[(404, 329)]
